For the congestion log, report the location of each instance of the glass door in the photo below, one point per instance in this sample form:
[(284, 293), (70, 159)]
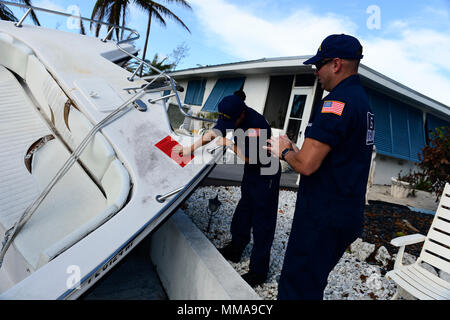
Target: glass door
[(299, 112)]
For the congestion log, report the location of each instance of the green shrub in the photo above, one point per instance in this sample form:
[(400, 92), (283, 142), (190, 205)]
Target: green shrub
[(434, 165)]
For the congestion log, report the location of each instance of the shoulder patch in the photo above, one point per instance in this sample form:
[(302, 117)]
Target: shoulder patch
[(332, 106), (253, 132), (370, 140)]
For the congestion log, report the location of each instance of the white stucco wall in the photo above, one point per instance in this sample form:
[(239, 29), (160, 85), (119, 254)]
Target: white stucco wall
[(256, 88), (387, 167)]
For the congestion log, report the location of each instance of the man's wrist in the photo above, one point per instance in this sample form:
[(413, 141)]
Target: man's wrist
[(285, 152)]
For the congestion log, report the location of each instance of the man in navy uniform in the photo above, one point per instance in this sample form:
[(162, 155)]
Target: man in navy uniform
[(258, 207), (334, 163)]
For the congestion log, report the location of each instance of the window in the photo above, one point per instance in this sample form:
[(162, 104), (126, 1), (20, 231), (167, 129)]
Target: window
[(277, 101), (399, 128), (305, 80), (223, 87), (195, 91)]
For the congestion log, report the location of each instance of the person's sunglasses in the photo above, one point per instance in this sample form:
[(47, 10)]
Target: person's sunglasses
[(321, 63)]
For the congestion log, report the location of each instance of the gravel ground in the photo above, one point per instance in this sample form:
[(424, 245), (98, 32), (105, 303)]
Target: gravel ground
[(351, 279)]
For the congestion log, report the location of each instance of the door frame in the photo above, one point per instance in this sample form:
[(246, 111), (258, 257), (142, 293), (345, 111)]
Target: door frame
[(309, 92)]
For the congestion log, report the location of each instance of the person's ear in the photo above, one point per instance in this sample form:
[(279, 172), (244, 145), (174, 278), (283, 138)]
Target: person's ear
[(337, 65)]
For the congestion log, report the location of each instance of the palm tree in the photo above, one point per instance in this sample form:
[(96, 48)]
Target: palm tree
[(161, 65), (158, 11), (114, 11), (6, 13)]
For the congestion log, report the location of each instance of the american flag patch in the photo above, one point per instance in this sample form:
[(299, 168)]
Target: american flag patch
[(252, 132), (335, 107)]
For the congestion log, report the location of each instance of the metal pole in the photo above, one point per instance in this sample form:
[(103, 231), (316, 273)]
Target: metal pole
[(162, 198), (164, 97), (109, 33), (19, 24), (135, 72)]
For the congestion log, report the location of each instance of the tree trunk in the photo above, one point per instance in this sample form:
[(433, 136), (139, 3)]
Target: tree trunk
[(148, 36), (123, 26)]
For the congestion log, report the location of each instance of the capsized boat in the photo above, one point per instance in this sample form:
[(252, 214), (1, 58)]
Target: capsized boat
[(86, 170)]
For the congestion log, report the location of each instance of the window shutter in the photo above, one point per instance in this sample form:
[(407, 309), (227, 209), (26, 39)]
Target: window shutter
[(195, 92), (222, 88), (416, 132), (434, 122), (400, 130), (383, 134)]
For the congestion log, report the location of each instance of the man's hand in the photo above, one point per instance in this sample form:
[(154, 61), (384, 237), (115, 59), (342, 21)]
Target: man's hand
[(293, 145), (276, 145), (221, 141), (181, 151)]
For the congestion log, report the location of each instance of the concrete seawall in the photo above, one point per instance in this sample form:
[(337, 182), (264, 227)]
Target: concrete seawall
[(191, 268)]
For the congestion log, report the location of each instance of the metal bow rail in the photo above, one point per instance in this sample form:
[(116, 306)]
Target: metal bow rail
[(121, 110), (134, 35)]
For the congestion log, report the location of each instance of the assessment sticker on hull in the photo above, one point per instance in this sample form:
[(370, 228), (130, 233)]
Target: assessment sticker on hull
[(167, 144)]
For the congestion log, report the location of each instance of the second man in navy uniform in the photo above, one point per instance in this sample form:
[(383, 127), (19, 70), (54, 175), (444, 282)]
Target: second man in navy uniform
[(334, 164), (256, 212)]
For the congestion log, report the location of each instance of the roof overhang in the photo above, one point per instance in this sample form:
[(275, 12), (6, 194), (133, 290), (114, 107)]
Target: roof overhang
[(294, 65), (401, 92), (271, 66)]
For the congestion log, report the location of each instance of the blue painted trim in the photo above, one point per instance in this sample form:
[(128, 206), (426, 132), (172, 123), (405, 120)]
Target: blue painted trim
[(430, 212), (397, 156)]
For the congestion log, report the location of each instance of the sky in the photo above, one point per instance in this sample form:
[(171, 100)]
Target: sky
[(408, 41)]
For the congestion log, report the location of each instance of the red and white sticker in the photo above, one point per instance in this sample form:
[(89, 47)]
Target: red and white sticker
[(167, 144)]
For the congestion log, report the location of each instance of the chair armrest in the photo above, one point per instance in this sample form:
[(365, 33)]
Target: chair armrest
[(407, 240), (402, 242)]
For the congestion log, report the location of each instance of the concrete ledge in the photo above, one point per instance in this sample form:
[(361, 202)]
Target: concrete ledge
[(191, 268)]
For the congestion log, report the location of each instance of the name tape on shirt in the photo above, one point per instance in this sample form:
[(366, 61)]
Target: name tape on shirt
[(335, 107)]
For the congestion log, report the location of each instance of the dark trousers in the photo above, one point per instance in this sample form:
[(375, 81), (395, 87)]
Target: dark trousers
[(315, 247), (257, 210)]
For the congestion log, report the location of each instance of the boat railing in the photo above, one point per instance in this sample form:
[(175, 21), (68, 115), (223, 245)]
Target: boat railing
[(133, 36), (120, 111)]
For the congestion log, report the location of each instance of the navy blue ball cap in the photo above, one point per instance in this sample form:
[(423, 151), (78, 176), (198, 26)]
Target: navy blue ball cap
[(230, 109), (338, 46)]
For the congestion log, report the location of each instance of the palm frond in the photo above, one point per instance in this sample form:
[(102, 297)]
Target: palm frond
[(33, 14), (183, 3), (6, 14)]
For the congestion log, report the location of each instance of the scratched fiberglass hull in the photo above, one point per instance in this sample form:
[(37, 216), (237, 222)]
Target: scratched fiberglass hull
[(81, 166)]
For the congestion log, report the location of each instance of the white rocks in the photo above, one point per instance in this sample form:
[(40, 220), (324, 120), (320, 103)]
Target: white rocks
[(351, 279), (285, 167), (355, 280), (382, 256), (407, 258), (362, 250)]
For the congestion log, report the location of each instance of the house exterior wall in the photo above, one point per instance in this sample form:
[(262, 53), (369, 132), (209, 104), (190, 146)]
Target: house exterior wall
[(387, 167), (256, 87)]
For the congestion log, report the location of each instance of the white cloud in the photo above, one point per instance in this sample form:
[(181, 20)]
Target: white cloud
[(48, 4), (244, 35), (417, 58), (439, 13)]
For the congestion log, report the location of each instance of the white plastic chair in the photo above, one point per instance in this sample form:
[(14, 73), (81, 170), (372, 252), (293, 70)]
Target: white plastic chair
[(413, 278)]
